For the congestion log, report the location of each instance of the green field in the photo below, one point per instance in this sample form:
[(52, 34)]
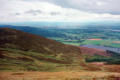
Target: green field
[(79, 36), (105, 42), (108, 43)]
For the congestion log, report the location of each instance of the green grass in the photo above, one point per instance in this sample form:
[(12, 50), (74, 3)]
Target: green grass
[(79, 37), (101, 42), (20, 60), (17, 60), (105, 42), (95, 42)]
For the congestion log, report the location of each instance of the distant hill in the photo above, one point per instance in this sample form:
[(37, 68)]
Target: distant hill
[(117, 50), (45, 32), (94, 51)]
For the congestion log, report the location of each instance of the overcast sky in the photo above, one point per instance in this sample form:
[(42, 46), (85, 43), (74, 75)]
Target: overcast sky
[(59, 10)]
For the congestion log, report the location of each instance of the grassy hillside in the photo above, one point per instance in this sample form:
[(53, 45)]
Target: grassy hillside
[(17, 60), (27, 52), (23, 51), (11, 38)]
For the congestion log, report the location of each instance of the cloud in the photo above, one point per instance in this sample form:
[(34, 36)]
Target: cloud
[(33, 12), (54, 10), (95, 6)]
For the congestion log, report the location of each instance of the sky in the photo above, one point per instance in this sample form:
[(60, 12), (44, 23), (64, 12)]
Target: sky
[(59, 10)]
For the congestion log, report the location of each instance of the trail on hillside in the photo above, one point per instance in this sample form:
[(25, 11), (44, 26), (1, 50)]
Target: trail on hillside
[(71, 75)]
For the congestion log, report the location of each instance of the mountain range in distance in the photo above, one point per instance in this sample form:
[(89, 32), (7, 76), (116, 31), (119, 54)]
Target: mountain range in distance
[(67, 25)]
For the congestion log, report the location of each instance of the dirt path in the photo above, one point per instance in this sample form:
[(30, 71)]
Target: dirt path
[(83, 75)]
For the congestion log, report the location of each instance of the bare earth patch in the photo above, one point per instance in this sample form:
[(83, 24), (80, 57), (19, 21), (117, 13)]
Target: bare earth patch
[(98, 63), (116, 42), (71, 75), (95, 39)]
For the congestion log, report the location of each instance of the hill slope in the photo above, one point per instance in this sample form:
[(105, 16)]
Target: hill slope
[(12, 38), (23, 51)]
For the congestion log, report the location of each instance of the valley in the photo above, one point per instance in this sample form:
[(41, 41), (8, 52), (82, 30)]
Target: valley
[(26, 56), (90, 35), (59, 39)]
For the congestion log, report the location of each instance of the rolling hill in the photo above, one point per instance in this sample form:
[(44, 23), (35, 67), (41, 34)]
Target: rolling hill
[(108, 36), (23, 51), (45, 32)]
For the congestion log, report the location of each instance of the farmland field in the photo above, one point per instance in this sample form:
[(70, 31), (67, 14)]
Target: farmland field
[(59, 39), (104, 35), (107, 43)]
